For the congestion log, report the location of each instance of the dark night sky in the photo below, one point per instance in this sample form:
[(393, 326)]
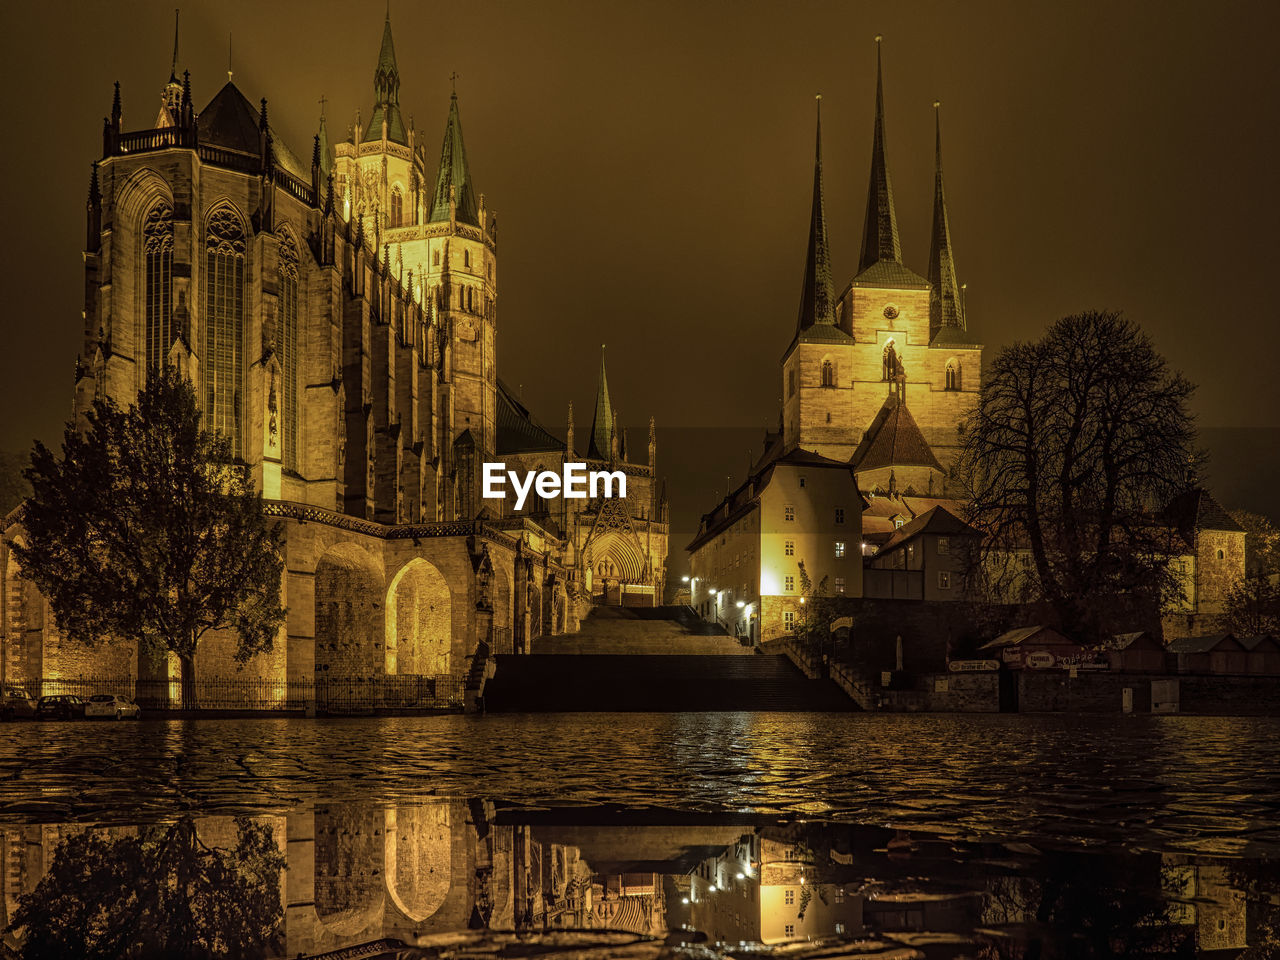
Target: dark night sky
[(650, 164)]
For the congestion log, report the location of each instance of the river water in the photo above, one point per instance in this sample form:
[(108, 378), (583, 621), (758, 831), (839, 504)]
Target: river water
[(937, 835)]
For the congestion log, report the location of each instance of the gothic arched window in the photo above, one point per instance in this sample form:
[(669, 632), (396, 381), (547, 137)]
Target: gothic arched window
[(953, 375), (288, 336), (828, 374), (397, 208), (224, 322), (466, 258), (890, 361), (157, 249)]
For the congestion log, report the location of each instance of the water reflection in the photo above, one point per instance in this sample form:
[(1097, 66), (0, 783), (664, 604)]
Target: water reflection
[(426, 874)]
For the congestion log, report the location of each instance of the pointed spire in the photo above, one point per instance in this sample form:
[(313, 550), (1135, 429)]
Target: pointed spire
[(453, 182), (386, 93), (173, 71), (945, 307), (880, 234), (602, 425), (117, 114), (326, 152), (818, 296), (95, 191)]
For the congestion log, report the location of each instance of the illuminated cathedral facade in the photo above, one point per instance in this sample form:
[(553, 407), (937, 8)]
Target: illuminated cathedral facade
[(339, 318)]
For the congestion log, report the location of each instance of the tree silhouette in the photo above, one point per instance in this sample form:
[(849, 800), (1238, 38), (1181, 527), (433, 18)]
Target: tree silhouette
[(163, 893), (145, 529), (1078, 441)]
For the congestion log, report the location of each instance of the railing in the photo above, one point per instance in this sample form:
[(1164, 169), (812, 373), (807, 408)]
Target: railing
[(338, 695), (161, 138), (295, 186)]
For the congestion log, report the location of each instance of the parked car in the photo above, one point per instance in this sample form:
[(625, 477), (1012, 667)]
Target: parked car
[(60, 707), (16, 702), (111, 705)]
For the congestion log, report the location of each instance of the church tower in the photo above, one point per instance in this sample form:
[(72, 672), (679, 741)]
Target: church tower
[(893, 353)]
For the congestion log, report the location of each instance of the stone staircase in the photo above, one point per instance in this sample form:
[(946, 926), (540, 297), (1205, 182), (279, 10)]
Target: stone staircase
[(660, 659), (643, 631)]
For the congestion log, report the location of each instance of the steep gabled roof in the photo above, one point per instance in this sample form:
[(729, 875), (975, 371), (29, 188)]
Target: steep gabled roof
[(518, 430), (938, 521), (1195, 509), (894, 440), (230, 121)]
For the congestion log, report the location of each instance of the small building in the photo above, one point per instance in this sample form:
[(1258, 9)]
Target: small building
[(1036, 648), (925, 559), (1138, 652), (1262, 655), (1216, 653)]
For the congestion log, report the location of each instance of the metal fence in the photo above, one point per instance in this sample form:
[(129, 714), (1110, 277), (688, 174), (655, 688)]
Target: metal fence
[(339, 695)]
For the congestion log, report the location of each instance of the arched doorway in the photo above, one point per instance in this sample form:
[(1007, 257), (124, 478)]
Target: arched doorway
[(419, 628), (349, 623)]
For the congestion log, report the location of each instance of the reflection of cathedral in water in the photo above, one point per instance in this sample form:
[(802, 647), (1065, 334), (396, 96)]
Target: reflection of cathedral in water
[(362, 871)]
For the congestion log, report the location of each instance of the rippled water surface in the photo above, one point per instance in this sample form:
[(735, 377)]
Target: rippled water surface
[(1206, 784)]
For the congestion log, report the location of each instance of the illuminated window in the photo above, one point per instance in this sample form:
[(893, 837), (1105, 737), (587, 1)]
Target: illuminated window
[(289, 349), (789, 548), (839, 584), (223, 364), (788, 619), (897, 522), (944, 545), (839, 514), (789, 584), (788, 512), (839, 549), (944, 580), (157, 246)]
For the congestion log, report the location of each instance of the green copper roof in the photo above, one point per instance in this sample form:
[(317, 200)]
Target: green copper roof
[(945, 309), (386, 90), (817, 296), (602, 423), (454, 173), (880, 234)]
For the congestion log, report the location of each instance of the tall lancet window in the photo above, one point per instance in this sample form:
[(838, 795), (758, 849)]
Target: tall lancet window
[(224, 323), (157, 282), (828, 374), (397, 208), (289, 348), (953, 375)]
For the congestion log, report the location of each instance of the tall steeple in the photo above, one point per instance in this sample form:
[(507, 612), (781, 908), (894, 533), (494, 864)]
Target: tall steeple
[(386, 91), (453, 182), (880, 235), (326, 152), (602, 425), (817, 297), (945, 308)]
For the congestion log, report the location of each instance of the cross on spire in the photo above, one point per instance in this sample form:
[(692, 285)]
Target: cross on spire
[(323, 101), (453, 80)]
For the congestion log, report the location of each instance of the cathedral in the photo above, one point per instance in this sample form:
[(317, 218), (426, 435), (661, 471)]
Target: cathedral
[(883, 376), (339, 319)]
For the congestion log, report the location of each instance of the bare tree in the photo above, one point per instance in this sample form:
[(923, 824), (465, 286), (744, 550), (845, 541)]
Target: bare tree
[(1078, 441)]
